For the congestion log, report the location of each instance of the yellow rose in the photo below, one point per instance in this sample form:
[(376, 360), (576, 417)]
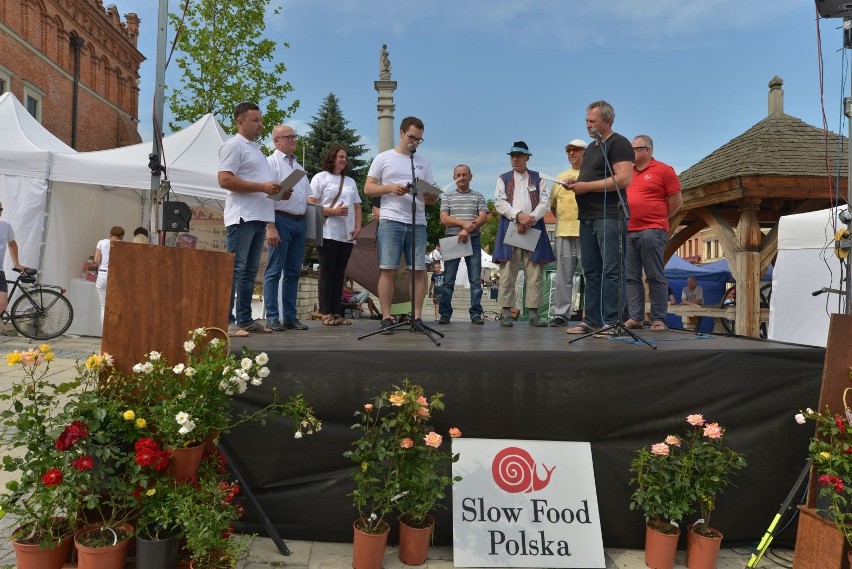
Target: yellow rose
[(44, 348), (13, 358), (141, 423), (151, 492), (129, 415), (48, 357), (397, 398), (825, 455)]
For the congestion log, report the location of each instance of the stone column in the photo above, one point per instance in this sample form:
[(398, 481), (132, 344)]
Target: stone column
[(385, 88)]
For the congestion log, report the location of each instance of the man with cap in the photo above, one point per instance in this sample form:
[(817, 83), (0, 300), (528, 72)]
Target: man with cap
[(522, 198), (564, 206)]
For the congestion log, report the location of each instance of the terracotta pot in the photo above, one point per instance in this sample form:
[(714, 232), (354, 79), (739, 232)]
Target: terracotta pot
[(185, 462), (33, 556), (414, 542), (110, 557), (660, 548), (701, 551), (368, 549)]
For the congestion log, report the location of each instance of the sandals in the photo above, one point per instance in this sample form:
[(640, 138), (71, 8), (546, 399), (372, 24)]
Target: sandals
[(235, 331), (632, 324), (255, 326), (658, 326), (330, 320), (581, 328)]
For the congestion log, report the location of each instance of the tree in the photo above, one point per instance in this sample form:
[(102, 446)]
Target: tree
[(327, 128), (488, 232), (225, 60)]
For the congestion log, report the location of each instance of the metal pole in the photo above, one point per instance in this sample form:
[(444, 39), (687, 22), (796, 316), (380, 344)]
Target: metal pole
[(159, 104)]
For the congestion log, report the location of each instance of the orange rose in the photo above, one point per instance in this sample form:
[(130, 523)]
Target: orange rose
[(433, 439), (455, 433), (406, 443)]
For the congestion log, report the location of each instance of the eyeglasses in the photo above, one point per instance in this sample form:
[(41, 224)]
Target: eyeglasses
[(290, 137), (414, 139), (640, 147), (572, 150)]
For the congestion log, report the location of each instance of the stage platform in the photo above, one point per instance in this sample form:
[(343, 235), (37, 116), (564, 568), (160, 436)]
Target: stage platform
[(530, 383)]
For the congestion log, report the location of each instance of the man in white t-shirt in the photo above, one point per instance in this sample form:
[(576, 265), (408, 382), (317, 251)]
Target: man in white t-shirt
[(388, 177), (7, 239), (245, 173)]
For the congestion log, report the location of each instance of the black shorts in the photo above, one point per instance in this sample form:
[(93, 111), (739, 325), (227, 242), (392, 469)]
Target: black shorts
[(3, 286)]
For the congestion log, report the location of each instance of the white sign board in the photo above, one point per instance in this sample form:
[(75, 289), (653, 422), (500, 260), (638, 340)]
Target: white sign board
[(525, 504)]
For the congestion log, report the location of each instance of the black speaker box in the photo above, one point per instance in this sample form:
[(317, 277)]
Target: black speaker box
[(176, 216)]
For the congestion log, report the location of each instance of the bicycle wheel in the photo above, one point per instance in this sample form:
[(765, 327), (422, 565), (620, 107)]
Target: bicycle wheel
[(730, 299), (41, 314)]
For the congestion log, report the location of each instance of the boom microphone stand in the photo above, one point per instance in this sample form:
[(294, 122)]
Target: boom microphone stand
[(414, 325), (623, 218)]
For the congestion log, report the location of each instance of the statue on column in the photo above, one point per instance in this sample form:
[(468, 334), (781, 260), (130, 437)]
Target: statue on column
[(384, 65)]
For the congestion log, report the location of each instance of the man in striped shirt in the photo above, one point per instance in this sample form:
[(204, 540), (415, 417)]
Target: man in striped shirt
[(463, 212)]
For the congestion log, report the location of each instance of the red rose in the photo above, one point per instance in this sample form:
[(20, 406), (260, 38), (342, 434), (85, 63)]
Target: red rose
[(83, 463), (841, 425), (52, 477), (71, 435)]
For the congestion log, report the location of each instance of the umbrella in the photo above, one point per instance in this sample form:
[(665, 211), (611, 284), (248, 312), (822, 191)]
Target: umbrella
[(363, 266)]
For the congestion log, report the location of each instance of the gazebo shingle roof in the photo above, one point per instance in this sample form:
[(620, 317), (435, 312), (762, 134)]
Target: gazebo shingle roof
[(779, 145)]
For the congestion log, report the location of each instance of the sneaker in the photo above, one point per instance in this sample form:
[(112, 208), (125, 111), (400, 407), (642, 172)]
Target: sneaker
[(385, 325), (444, 319), (557, 321), (477, 319), (537, 322), (275, 325), (294, 324), (506, 320)]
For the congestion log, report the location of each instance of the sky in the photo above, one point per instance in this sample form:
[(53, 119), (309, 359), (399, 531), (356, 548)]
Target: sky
[(482, 74)]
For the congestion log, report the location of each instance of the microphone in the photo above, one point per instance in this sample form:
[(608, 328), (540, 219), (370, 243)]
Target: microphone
[(595, 132), (412, 149), (818, 292)]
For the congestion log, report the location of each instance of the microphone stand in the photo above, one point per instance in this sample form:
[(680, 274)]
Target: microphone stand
[(623, 217), (414, 324)]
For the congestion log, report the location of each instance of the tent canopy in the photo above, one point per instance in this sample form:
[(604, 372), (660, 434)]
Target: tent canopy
[(677, 268), (722, 265), (26, 146)]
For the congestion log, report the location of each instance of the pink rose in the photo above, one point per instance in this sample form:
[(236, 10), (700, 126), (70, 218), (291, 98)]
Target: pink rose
[(397, 398), (713, 431), (695, 420), (368, 407), (422, 401), (406, 443), (455, 432), (433, 439), (422, 412), (660, 449), (800, 419), (672, 440)]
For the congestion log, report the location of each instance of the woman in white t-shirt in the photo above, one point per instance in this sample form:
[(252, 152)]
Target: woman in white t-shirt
[(102, 261), (341, 210)]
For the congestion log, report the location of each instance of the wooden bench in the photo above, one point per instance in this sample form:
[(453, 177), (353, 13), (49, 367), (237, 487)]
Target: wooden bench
[(691, 313)]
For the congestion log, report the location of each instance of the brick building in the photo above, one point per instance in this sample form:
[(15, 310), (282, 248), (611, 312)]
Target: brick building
[(37, 64)]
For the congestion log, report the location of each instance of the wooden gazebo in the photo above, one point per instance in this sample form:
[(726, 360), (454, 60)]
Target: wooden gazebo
[(780, 166)]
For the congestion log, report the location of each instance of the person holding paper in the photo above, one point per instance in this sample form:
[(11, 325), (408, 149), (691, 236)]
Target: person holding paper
[(600, 227), (388, 177), (522, 199), (285, 235), (341, 208), (463, 212), (564, 206), (245, 173)]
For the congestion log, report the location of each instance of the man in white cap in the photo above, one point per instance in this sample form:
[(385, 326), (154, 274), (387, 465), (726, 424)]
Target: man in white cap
[(564, 207)]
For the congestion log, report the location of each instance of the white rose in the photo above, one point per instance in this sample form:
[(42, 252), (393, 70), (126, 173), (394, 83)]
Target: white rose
[(182, 418), (215, 342), (263, 372), (297, 435), (154, 356), (137, 368), (187, 427), (188, 346), (257, 381), (199, 332), (800, 419), (178, 369), (147, 367), (189, 372), (262, 359)]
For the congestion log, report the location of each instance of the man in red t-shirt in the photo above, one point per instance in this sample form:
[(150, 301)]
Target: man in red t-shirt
[(652, 199)]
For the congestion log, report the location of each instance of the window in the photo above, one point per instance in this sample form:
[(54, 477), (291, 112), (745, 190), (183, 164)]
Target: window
[(5, 80), (32, 100)]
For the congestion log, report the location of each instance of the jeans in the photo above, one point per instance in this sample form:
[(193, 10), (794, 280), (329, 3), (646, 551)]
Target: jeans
[(645, 250), (599, 249), (474, 277), (287, 259), (393, 240), (333, 258), (567, 257), (245, 241)]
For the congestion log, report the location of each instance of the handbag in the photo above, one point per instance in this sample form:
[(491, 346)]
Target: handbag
[(339, 191)]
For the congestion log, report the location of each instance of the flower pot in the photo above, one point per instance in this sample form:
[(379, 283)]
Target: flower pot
[(156, 553), (368, 549), (33, 556), (702, 551), (660, 548), (185, 462), (414, 542), (109, 557)]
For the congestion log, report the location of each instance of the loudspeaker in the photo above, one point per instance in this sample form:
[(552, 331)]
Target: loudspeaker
[(834, 8), (176, 216)]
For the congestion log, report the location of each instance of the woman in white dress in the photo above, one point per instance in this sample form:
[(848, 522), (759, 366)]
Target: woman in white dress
[(341, 208), (102, 261)]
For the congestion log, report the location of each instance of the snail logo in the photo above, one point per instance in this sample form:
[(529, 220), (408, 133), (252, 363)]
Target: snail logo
[(515, 471)]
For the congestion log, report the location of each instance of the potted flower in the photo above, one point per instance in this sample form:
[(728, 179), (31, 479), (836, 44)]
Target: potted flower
[(41, 498), (712, 464), (159, 521)]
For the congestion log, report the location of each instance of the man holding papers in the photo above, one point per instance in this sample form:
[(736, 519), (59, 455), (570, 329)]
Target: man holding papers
[(463, 212), (285, 237), (522, 199)]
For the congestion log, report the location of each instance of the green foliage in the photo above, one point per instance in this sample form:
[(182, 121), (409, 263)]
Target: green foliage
[(435, 230), (224, 60), (488, 232)]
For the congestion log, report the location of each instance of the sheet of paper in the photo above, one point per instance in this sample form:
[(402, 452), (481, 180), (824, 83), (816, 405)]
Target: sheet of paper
[(288, 183), (313, 224), (452, 249), (424, 187), (527, 240)]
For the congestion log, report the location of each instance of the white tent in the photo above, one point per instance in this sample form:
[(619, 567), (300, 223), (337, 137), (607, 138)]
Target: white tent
[(806, 263), (97, 190), (461, 275), (26, 149)]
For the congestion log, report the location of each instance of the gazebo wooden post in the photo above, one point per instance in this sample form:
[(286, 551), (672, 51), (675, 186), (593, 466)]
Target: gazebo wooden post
[(747, 272)]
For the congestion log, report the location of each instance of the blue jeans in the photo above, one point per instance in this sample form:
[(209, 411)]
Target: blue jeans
[(474, 277), (245, 241), (600, 253), (645, 250), (286, 258), (393, 240)]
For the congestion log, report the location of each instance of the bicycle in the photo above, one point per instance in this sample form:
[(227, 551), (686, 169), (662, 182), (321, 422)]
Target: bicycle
[(730, 299), (40, 312)]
